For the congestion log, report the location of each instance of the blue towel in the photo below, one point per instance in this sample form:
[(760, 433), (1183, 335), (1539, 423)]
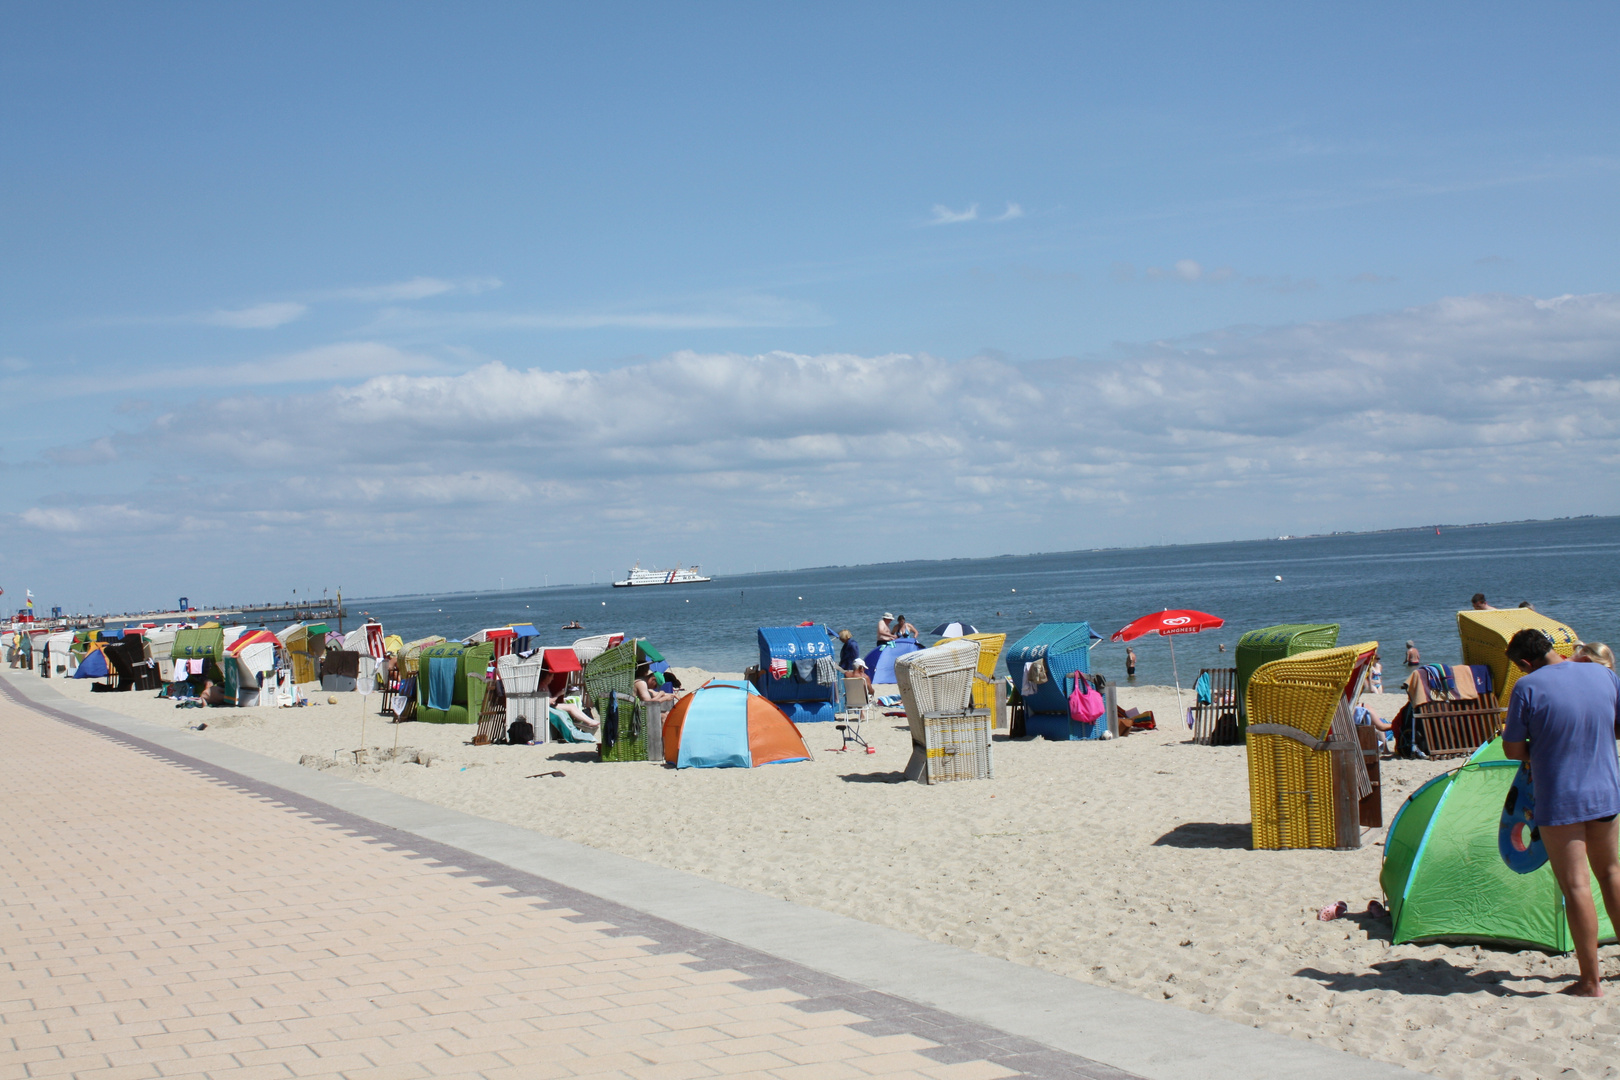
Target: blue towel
[(441, 682), (1201, 688)]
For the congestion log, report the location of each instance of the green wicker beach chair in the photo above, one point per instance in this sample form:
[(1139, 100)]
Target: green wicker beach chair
[(610, 687)]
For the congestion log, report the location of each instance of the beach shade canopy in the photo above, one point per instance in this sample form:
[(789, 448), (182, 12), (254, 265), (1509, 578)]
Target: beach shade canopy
[(562, 660), (1270, 643), (1485, 636), (880, 661), (959, 628), (729, 725), (1446, 880), (252, 637), (1167, 624)]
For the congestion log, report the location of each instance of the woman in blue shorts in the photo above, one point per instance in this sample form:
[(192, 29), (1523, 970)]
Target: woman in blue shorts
[(1564, 718)]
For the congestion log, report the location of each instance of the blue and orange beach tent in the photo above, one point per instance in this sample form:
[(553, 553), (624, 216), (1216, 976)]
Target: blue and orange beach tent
[(728, 725)]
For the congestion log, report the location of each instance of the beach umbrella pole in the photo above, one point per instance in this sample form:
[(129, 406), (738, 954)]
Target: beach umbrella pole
[(1181, 714)]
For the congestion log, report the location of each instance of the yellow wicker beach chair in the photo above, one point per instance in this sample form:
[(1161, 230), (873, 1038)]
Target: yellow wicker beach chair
[(984, 684), (1306, 773), (1485, 636)]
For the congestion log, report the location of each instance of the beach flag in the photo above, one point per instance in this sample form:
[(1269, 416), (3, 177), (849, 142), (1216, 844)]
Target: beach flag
[(30, 598)]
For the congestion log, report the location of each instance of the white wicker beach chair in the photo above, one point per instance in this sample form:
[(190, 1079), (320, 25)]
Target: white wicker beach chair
[(950, 738), (524, 699)]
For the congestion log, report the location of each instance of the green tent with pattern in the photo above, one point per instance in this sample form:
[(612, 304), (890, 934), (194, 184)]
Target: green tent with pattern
[(1445, 879)]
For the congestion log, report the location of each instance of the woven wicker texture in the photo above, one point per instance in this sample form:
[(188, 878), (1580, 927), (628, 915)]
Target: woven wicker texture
[(410, 655), (520, 676), (959, 748), (1291, 785), (1066, 648), (1485, 636), (936, 680), (614, 672), (1273, 643), (984, 683)]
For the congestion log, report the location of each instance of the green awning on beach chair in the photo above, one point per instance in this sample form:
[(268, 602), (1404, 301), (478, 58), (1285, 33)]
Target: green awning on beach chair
[(1270, 643)]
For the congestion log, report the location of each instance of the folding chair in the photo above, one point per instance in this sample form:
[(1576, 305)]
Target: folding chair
[(856, 698)]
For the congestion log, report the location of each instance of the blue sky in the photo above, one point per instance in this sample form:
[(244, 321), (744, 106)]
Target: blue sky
[(552, 288)]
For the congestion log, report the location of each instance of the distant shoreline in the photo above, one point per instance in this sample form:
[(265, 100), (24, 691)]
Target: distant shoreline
[(1025, 555)]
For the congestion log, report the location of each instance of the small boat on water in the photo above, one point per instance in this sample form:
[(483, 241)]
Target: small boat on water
[(678, 576), (572, 625)]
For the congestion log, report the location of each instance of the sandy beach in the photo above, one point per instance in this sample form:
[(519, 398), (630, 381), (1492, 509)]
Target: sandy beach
[(1124, 864)]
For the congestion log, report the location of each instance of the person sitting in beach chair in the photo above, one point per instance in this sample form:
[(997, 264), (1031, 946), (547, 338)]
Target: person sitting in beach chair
[(577, 720), (644, 686), (1364, 715)]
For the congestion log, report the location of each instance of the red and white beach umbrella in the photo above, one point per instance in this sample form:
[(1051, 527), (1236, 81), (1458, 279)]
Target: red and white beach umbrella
[(1168, 624)]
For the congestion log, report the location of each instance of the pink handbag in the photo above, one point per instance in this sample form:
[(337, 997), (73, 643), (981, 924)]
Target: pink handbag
[(1085, 704)]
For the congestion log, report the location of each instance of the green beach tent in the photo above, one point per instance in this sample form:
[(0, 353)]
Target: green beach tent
[(1444, 878), (1274, 643)]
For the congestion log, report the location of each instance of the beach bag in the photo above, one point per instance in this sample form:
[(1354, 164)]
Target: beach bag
[(520, 732), (1085, 704)]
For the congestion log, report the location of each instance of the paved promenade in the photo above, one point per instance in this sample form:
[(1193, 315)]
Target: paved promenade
[(164, 916)]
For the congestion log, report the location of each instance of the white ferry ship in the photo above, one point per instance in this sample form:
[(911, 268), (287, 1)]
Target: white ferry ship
[(677, 576)]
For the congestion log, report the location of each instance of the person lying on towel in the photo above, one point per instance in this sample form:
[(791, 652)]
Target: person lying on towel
[(557, 690)]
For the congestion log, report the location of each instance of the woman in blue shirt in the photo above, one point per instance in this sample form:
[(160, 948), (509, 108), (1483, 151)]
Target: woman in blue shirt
[(1563, 719)]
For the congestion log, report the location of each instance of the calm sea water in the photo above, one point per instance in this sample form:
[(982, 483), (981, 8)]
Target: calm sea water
[(1385, 587)]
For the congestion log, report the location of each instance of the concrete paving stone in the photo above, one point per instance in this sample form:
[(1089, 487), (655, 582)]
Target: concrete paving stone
[(401, 1070), (821, 1070), (135, 1071), (969, 1070), (672, 1070), (899, 1060), (756, 1062)]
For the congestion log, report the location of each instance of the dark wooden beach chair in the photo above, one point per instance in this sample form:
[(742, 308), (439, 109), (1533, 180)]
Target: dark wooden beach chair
[(1457, 728), (1208, 729)]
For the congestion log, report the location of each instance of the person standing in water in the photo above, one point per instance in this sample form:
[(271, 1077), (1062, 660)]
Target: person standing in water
[(1563, 719), (1413, 657), (1130, 663)]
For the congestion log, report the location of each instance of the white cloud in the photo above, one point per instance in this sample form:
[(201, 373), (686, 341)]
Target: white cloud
[(417, 288), (89, 518), (343, 362), (1333, 424), (944, 215), (258, 317), (326, 363), (731, 312)]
